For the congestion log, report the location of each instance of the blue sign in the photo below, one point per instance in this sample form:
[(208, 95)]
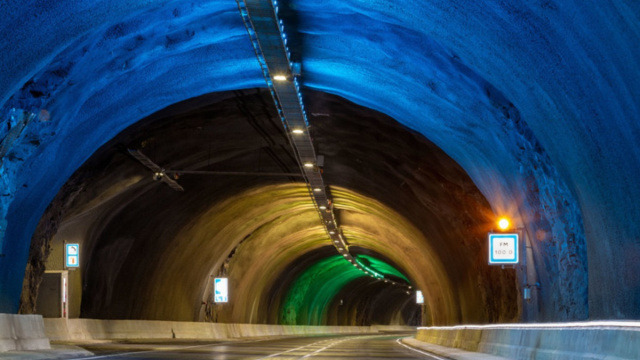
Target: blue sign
[(503, 248), (72, 255), (221, 293)]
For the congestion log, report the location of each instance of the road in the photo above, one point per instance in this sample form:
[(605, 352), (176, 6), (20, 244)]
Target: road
[(312, 347)]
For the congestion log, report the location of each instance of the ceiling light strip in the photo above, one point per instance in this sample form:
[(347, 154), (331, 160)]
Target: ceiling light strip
[(269, 40)]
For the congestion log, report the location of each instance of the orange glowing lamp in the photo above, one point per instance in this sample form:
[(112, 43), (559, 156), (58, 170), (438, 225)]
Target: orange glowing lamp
[(504, 223)]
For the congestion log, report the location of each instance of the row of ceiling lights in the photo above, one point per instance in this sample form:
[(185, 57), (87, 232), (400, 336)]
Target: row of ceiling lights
[(281, 80), (325, 208)]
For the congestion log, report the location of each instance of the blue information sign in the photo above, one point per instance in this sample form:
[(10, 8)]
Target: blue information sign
[(72, 255), (221, 293), (503, 248)]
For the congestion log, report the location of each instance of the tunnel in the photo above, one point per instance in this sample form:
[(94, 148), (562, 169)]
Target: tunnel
[(432, 119)]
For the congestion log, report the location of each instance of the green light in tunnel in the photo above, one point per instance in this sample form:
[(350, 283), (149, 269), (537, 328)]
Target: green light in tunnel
[(379, 267), (312, 292), (368, 269), (310, 295)]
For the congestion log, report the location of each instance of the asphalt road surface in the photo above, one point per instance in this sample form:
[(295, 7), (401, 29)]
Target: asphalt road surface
[(311, 347)]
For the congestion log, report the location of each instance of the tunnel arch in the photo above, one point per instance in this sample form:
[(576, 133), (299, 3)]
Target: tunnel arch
[(251, 229), (525, 70)]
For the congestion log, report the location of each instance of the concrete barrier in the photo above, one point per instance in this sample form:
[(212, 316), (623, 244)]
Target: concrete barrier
[(603, 340), (91, 329), (22, 332)]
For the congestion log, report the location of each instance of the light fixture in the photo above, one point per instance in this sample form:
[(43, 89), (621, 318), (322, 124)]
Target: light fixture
[(332, 232), (322, 207), (308, 164), (317, 189), (279, 78), (340, 249), (503, 223), (345, 255), (297, 131)]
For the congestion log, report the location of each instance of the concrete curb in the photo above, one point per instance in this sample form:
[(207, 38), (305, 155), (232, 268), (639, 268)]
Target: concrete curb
[(541, 343), (56, 352), (447, 352), (22, 332), (90, 330)]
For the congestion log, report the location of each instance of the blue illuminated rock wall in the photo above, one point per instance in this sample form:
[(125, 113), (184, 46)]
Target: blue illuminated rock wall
[(536, 100), (93, 87)]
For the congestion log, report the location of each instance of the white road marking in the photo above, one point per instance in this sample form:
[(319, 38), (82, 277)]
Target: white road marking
[(323, 349), (587, 325), (163, 350), (291, 350), (333, 343), (420, 351)]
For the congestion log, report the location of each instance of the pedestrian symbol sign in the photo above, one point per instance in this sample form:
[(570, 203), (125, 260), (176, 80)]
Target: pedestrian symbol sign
[(503, 249), (221, 294), (72, 255)]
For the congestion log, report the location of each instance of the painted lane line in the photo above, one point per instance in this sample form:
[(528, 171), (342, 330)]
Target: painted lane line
[(420, 351), (291, 350), (117, 355), (141, 352), (333, 342), (322, 349), (338, 342)]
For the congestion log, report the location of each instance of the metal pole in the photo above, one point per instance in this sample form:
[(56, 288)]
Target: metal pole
[(523, 242)]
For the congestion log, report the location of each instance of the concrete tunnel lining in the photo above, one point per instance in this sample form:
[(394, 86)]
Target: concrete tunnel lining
[(528, 79)]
